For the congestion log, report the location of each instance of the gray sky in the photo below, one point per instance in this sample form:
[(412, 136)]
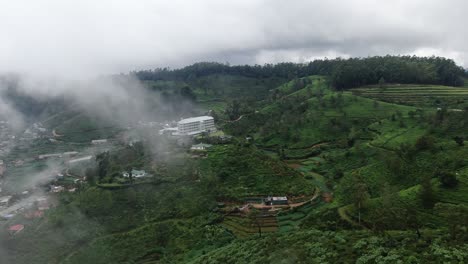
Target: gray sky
[(80, 38)]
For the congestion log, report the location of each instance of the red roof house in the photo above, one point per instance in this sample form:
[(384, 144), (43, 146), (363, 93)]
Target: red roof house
[(15, 229)]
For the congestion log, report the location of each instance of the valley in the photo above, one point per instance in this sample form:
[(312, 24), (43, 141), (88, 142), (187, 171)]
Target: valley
[(297, 168)]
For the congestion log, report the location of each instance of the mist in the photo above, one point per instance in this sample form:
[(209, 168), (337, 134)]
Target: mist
[(66, 38)]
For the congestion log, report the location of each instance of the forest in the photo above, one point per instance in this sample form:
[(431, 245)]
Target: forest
[(343, 73)]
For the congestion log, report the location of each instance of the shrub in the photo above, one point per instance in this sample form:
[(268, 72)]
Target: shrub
[(447, 179), (425, 143), (459, 140)]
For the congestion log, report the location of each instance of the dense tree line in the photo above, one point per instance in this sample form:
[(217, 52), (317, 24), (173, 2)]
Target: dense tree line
[(344, 73)]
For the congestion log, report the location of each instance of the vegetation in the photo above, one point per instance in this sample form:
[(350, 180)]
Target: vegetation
[(371, 152), (344, 73)]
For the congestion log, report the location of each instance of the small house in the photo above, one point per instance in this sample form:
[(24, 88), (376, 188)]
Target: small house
[(47, 156), (135, 174), (15, 229), (34, 214), (282, 200), (56, 189), (82, 159), (5, 200), (70, 153), (2, 168), (200, 146), (98, 141), (42, 204)]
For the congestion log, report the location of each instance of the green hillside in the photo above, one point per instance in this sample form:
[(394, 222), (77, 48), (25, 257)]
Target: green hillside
[(372, 175), (313, 114), (417, 95)]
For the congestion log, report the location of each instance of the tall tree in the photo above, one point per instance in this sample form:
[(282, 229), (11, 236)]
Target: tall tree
[(426, 193)]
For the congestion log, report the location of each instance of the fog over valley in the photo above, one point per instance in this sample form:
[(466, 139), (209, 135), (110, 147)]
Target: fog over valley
[(246, 131)]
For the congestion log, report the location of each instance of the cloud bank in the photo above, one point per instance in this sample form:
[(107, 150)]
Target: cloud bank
[(82, 38)]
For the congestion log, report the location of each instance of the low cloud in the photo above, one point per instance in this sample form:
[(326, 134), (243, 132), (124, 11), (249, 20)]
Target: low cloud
[(85, 38)]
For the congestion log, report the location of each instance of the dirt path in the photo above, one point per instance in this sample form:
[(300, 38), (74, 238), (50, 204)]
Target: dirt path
[(379, 147), (238, 119)]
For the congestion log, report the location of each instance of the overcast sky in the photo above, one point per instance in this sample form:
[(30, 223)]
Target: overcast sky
[(75, 38)]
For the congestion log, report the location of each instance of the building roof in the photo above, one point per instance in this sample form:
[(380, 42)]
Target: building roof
[(70, 152), (195, 119), (16, 228), (281, 198), (5, 199), (98, 140), (169, 129), (81, 159)]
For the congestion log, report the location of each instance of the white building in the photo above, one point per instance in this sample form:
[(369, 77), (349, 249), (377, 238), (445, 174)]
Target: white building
[(70, 153), (168, 131), (135, 174), (282, 200), (5, 200), (201, 147), (2, 168), (196, 125), (53, 155), (85, 158), (98, 141)]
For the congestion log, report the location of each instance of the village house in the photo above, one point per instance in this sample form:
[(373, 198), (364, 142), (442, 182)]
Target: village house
[(282, 200), (70, 153), (82, 159), (98, 141), (15, 229), (200, 146), (56, 188), (42, 204), (53, 155), (168, 131), (135, 174), (34, 214), (2, 168), (5, 200)]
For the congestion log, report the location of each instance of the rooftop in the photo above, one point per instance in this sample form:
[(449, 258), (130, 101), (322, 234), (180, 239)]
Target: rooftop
[(281, 198), (81, 159), (5, 199), (195, 119), (16, 228)]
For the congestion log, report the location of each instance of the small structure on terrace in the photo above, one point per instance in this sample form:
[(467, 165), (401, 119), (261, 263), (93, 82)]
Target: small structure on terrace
[(15, 229), (135, 174), (276, 200), (200, 146)]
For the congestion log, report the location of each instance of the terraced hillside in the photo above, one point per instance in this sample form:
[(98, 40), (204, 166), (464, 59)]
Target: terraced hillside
[(420, 95), (244, 227)]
